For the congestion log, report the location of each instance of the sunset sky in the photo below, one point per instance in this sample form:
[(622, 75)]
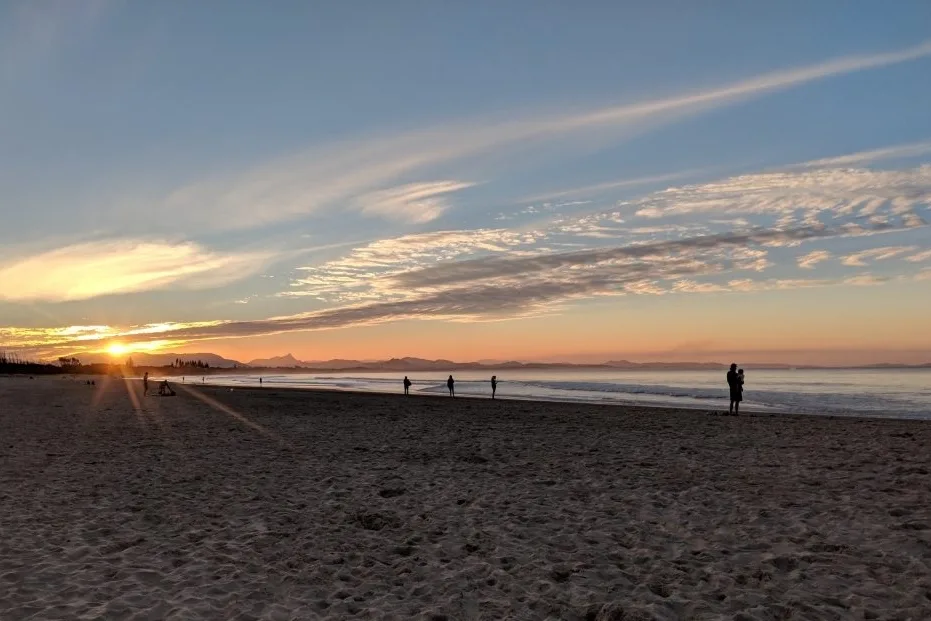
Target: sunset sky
[(527, 180)]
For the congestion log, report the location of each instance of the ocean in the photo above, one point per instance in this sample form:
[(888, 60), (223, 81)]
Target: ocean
[(892, 393)]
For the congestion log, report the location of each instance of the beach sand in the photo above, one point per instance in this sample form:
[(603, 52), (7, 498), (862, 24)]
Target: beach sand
[(276, 504)]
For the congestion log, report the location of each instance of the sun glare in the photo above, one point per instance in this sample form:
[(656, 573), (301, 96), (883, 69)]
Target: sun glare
[(118, 349)]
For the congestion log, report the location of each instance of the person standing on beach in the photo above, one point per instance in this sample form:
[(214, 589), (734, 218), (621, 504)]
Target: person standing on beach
[(494, 385), (407, 386), (735, 389), (145, 384), (451, 384), (260, 381)]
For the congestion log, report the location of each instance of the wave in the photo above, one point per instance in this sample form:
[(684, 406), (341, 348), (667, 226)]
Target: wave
[(801, 402), (636, 389)]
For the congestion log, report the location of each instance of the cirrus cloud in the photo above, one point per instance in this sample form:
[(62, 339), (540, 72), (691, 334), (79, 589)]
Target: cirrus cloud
[(342, 173), (414, 202), (91, 269)]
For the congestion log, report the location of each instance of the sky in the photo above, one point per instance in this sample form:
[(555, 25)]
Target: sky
[(529, 180)]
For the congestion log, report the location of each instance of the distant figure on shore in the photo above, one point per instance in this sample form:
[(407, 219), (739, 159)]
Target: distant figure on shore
[(407, 386), (182, 379), (451, 384), (260, 381), (494, 385), (734, 387), (145, 384), (164, 390)]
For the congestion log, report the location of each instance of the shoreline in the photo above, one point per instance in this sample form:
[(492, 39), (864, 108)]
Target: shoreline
[(750, 411), (478, 399)]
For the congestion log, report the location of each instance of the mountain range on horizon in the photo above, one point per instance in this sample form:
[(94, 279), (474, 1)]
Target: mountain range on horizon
[(413, 364)]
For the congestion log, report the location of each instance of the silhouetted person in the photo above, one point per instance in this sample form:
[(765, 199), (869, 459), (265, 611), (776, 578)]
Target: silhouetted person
[(145, 384), (733, 385), (407, 386), (451, 384), (260, 381), (164, 390), (494, 385), (740, 382)]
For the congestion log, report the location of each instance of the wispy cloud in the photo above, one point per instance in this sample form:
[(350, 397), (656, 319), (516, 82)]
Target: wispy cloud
[(862, 258), (782, 284), (360, 275), (798, 196), (502, 287), (504, 269), (597, 188), (875, 155), (810, 260), (924, 255), (339, 174), (88, 270), (803, 206), (414, 202)]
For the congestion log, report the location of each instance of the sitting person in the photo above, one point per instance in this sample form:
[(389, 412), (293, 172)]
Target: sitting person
[(164, 390)]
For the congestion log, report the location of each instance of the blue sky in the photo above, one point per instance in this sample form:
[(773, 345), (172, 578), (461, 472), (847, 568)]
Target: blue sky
[(234, 172)]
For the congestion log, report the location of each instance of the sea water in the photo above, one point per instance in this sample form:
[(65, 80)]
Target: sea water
[(898, 393)]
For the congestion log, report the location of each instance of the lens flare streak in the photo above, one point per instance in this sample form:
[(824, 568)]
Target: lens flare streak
[(233, 413)]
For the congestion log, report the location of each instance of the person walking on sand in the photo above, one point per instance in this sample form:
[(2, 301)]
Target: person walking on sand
[(451, 384), (735, 389), (145, 384), (494, 385), (407, 386)]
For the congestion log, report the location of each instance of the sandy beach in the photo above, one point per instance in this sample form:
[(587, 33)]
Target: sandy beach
[(277, 504)]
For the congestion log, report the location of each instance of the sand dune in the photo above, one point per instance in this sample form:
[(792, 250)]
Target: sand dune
[(268, 504)]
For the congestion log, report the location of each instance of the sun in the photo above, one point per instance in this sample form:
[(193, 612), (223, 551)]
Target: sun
[(117, 349)]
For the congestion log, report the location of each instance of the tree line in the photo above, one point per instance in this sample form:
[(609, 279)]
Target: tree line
[(14, 363), (180, 363)]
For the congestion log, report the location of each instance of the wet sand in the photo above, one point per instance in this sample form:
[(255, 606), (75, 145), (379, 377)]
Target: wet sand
[(276, 504)]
